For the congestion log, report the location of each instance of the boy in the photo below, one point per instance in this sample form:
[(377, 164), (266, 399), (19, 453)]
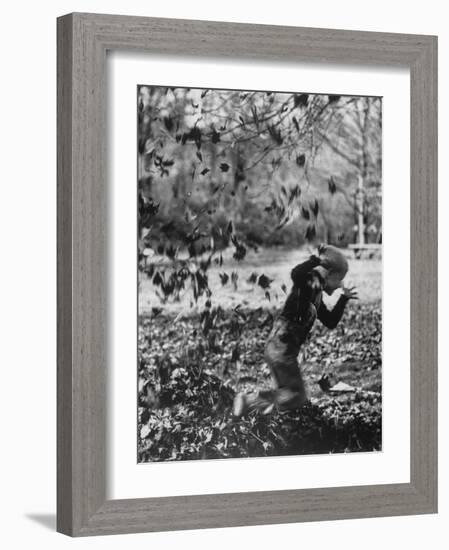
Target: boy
[(303, 306)]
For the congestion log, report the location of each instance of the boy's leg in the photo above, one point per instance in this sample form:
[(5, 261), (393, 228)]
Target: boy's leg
[(265, 401), (291, 392), (290, 399), (261, 401), (290, 396)]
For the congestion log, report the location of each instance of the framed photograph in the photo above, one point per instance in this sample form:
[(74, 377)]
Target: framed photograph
[(247, 274)]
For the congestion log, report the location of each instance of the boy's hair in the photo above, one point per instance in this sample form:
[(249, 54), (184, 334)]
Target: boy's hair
[(333, 260)]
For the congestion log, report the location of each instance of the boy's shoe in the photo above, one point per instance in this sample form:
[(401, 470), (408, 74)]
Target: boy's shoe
[(240, 405)]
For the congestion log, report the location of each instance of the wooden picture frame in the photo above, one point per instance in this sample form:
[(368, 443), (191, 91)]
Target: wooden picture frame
[(83, 40)]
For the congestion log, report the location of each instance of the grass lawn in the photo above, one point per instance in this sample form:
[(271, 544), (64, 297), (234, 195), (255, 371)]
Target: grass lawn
[(276, 264)]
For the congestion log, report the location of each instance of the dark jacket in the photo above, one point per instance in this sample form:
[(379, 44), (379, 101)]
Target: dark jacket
[(303, 306)]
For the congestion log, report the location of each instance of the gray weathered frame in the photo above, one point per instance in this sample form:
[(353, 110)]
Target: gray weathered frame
[(83, 40)]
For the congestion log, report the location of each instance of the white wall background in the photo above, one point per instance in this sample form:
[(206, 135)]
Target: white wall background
[(27, 253)]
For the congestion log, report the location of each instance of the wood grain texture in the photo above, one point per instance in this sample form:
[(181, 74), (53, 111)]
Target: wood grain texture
[(424, 264), (64, 277), (83, 40)]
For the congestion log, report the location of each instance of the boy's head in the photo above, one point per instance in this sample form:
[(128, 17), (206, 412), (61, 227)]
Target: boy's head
[(333, 267)]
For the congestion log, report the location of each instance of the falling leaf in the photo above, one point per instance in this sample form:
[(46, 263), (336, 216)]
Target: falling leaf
[(168, 121), (157, 279), (240, 251), (234, 279), (215, 138), (294, 193), (264, 281), (301, 160), (314, 207), (311, 232), (171, 251), (252, 278), (275, 134)]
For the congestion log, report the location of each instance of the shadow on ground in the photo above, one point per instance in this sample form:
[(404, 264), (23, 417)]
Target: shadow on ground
[(46, 520)]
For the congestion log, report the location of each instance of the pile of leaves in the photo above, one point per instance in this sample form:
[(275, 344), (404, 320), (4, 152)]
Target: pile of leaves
[(188, 377)]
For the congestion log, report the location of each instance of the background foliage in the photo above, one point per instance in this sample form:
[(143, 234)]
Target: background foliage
[(282, 167)]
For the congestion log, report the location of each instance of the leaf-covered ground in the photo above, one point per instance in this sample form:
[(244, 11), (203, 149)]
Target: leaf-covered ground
[(191, 367)]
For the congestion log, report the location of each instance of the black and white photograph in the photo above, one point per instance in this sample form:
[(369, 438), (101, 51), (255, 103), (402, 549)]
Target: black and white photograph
[(259, 247), (220, 275)]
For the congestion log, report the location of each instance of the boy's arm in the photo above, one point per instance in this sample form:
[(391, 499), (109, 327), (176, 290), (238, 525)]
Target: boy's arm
[(299, 272), (331, 318)]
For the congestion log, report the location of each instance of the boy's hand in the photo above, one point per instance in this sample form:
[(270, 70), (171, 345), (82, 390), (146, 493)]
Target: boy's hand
[(350, 293)]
